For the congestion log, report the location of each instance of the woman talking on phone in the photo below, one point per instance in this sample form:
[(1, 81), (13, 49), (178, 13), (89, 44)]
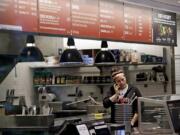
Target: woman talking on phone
[(121, 92)]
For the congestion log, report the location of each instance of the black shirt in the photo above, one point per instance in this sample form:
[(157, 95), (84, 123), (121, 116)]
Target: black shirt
[(130, 91)]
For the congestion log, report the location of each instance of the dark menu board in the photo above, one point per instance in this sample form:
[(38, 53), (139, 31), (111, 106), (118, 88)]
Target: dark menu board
[(164, 28), (54, 16), (137, 24), (111, 20), (85, 18), (18, 15)]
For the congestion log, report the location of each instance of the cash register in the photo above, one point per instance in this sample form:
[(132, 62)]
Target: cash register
[(88, 128), (174, 113)]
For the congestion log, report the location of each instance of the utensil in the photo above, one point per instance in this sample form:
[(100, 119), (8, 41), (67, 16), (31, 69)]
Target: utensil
[(133, 100)]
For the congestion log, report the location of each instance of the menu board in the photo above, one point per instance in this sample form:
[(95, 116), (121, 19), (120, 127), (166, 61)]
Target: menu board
[(99, 19), (164, 28), (84, 15), (54, 16), (111, 20), (137, 24), (18, 15)]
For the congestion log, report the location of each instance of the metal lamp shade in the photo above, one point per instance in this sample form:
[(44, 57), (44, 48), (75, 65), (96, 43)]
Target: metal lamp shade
[(30, 54), (104, 57), (71, 55)]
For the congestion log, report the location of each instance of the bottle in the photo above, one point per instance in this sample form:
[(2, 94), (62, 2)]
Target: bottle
[(63, 79), (98, 79), (122, 56), (42, 78), (36, 78), (85, 79), (53, 79), (134, 57), (58, 79), (47, 78), (103, 80), (50, 78), (128, 56)]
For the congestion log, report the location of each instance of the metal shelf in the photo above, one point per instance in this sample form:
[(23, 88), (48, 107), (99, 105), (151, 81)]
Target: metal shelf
[(95, 84), (147, 83), (130, 64), (46, 65), (69, 85), (71, 65)]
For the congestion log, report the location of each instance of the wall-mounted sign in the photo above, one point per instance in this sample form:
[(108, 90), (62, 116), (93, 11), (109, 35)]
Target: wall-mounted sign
[(164, 28), (137, 24), (97, 19), (20, 15), (111, 17), (85, 18), (54, 16)]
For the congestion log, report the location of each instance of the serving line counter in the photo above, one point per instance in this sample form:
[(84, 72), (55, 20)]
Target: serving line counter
[(157, 115), (42, 124), (48, 125)]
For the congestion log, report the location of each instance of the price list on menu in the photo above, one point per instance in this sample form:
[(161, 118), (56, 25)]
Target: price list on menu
[(111, 20), (54, 16), (85, 14), (137, 24), (18, 15)]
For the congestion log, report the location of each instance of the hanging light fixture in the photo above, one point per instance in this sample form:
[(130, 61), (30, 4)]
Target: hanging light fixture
[(30, 53), (104, 56), (71, 55)]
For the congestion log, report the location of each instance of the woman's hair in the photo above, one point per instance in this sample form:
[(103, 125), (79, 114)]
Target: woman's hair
[(115, 71)]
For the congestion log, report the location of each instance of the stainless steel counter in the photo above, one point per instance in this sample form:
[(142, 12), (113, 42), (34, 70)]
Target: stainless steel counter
[(28, 122), (45, 123)]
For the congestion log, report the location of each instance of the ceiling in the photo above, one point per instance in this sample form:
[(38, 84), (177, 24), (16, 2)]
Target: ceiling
[(169, 2), (166, 5)]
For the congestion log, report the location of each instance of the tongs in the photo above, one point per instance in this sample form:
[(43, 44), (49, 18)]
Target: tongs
[(132, 98), (85, 100)]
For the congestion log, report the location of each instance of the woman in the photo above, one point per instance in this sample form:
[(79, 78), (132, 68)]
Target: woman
[(121, 92)]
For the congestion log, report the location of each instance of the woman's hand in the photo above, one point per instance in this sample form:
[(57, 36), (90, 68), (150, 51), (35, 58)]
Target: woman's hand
[(114, 98), (116, 88), (123, 100)]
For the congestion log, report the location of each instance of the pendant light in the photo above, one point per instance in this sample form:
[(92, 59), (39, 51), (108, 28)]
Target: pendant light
[(104, 55), (30, 53), (71, 55)]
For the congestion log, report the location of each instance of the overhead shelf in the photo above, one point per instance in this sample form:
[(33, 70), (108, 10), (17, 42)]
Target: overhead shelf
[(96, 84), (129, 64), (72, 65), (68, 85)]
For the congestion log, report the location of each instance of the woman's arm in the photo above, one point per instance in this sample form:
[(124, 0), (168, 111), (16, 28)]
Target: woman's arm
[(111, 98), (134, 119)]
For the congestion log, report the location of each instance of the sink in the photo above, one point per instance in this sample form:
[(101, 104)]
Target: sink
[(31, 121)]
